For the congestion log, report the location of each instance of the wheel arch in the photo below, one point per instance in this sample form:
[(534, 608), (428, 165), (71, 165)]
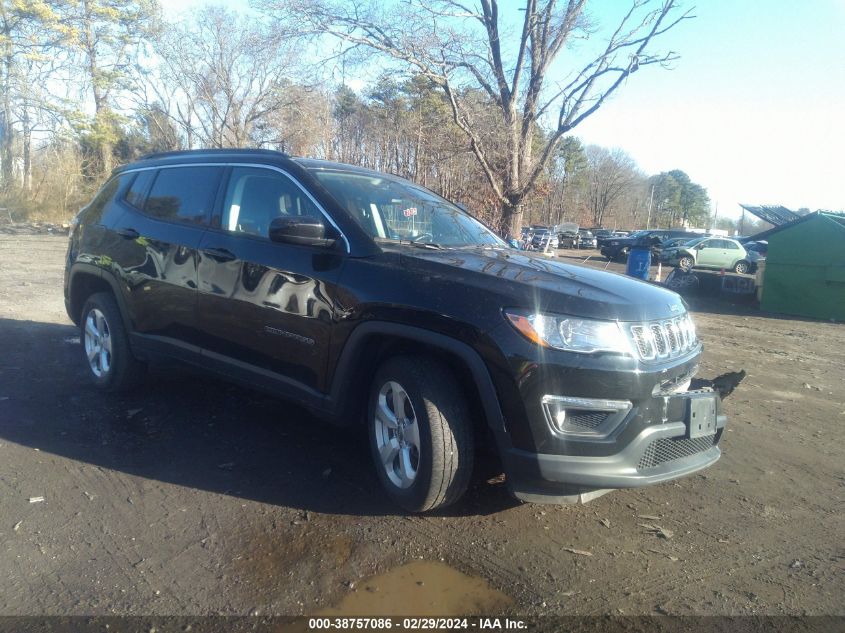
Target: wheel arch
[(85, 280), (373, 342)]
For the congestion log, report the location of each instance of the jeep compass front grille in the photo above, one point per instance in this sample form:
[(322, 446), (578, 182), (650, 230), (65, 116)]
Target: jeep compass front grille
[(658, 340)]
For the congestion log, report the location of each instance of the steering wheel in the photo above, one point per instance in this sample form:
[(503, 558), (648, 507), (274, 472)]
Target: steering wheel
[(423, 237)]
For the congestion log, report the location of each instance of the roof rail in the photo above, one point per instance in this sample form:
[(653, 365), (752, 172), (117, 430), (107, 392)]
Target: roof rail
[(224, 151)]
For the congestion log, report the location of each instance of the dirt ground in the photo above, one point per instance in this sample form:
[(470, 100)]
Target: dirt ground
[(196, 497)]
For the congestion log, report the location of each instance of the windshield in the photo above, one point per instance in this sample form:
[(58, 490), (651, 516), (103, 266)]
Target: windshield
[(391, 209), (695, 241)]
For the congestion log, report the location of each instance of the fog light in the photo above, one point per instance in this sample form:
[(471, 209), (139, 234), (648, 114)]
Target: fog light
[(586, 418)]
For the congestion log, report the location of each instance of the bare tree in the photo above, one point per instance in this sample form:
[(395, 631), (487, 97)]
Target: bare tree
[(463, 48), (612, 173), (229, 72), (30, 34)]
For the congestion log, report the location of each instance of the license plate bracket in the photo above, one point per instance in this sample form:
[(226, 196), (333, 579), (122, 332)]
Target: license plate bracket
[(701, 415)]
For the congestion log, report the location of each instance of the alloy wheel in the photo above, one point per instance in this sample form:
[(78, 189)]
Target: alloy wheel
[(397, 434), (98, 345)]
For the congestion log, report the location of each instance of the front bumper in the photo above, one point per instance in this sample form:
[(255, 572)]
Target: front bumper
[(547, 460), (659, 453)]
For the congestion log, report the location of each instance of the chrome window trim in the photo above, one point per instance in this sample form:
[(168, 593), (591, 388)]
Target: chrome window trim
[(326, 215)]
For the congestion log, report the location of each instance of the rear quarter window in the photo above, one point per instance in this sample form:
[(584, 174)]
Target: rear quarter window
[(94, 211), (183, 194), (138, 189)]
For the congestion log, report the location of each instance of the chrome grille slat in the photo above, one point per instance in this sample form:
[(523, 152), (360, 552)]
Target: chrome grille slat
[(659, 340), (671, 336), (660, 337)]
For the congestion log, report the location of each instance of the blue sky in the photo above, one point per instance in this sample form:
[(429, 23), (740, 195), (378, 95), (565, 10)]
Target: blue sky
[(753, 110)]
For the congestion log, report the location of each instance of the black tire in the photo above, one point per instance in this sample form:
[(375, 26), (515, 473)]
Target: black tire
[(742, 267), (446, 446), (686, 263), (124, 371)]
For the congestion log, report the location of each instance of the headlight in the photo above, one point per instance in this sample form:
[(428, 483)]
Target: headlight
[(584, 336)]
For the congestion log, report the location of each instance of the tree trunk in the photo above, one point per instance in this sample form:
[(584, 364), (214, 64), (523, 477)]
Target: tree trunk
[(6, 154), (27, 158), (512, 218), (6, 132)]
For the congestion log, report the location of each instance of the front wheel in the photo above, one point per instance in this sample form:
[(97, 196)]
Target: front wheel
[(686, 263), (741, 267), (420, 433)]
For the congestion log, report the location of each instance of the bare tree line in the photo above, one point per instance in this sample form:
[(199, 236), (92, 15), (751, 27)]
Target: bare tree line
[(465, 107)]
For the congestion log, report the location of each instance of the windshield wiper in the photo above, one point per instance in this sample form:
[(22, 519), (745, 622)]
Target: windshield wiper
[(431, 245)]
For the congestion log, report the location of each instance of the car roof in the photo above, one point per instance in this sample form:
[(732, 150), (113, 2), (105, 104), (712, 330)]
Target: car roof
[(318, 163), (262, 155), (198, 155)]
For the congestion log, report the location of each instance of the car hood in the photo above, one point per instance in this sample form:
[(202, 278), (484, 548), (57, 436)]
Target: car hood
[(536, 282)]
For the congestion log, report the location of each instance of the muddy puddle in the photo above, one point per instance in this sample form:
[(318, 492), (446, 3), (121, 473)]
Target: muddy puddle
[(421, 588)]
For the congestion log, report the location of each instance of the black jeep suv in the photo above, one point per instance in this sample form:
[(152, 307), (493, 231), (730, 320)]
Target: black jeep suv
[(371, 300)]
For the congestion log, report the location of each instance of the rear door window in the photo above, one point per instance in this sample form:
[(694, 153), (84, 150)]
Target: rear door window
[(184, 194)]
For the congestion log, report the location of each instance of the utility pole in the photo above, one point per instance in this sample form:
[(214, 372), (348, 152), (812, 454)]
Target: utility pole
[(650, 201)]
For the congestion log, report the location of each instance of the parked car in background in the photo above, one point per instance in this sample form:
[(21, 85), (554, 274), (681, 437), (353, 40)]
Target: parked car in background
[(711, 252), (673, 243), (568, 239), (602, 235), (298, 277), (586, 239), (544, 238), (526, 235), (757, 252), (668, 249), (617, 248)]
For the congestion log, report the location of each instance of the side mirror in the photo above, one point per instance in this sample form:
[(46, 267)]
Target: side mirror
[(305, 231), (698, 247)]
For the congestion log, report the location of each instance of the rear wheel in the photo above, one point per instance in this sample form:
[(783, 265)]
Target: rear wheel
[(105, 344), (420, 433), (741, 267), (686, 263)]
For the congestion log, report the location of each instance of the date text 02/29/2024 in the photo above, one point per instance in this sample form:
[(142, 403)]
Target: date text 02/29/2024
[(415, 624)]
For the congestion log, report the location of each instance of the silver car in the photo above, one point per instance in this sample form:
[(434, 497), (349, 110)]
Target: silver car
[(710, 252)]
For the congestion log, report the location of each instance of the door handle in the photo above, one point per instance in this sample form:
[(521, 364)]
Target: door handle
[(219, 254), (129, 234)]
